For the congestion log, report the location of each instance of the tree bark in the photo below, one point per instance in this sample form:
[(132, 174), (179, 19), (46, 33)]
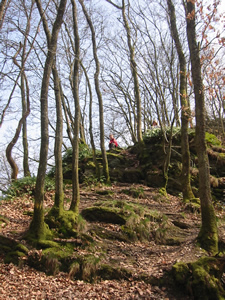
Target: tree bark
[(90, 124), (59, 193), (2, 11), (134, 72), (98, 92), (38, 226), (208, 235), (75, 166), (185, 110), (26, 169)]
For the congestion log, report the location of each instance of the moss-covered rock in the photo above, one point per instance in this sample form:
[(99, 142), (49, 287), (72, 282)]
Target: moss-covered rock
[(103, 214), (202, 279), (109, 272)]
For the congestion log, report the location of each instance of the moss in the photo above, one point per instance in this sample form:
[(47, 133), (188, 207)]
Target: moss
[(3, 220), (44, 244), (89, 267), (202, 279), (181, 273), (103, 214), (193, 205), (206, 279), (85, 268), (134, 192), (34, 234), (22, 248), (109, 272), (14, 257), (208, 235), (163, 192), (90, 164), (58, 252), (212, 139), (64, 223)]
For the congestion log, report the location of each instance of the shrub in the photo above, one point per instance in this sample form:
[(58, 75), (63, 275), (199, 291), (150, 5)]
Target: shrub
[(26, 185)]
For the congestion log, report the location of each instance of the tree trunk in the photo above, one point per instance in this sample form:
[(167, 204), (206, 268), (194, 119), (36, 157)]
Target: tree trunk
[(134, 72), (208, 235), (14, 140), (59, 194), (2, 11), (38, 226), (75, 166), (26, 169), (90, 124), (98, 92), (185, 112)]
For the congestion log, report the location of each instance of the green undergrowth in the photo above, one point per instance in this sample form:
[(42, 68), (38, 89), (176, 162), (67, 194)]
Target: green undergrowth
[(26, 186)]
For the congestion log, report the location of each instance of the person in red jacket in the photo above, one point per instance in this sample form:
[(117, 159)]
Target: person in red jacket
[(112, 143)]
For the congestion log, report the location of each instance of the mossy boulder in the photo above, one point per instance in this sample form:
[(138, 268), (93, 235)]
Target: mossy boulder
[(201, 279), (137, 222), (102, 214)]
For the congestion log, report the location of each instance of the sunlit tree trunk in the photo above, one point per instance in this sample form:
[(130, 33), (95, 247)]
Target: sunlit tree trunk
[(133, 66), (75, 166), (25, 113), (99, 95), (38, 226), (26, 169), (3, 7), (59, 193), (185, 112), (90, 124), (25, 93), (208, 235)]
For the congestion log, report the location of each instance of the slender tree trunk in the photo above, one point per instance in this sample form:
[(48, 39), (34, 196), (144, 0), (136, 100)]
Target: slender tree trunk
[(68, 130), (3, 8), (38, 226), (59, 194), (90, 124), (98, 92), (76, 190), (134, 72), (185, 112), (25, 102), (13, 142), (208, 235)]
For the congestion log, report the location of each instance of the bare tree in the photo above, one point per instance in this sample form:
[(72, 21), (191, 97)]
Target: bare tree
[(38, 227), (76, 190), (185, 109), (133, 65), (99, 94), (208, 235)]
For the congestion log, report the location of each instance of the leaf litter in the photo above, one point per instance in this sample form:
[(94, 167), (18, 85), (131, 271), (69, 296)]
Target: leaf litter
[(151, 258)]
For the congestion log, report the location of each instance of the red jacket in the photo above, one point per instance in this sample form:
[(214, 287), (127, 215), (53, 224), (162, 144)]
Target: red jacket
[(113, 141)]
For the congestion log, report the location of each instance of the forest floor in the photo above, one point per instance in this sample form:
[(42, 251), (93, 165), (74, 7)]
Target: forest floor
[(149, 257)]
